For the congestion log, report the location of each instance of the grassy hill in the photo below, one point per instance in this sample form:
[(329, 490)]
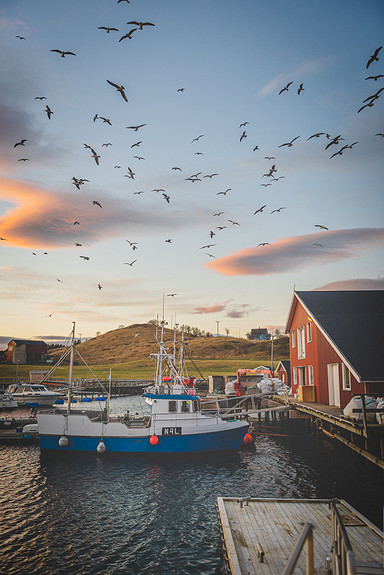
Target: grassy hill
[(138, 341)]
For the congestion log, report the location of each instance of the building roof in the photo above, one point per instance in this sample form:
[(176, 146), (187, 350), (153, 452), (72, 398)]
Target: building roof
[(353, 323), (285, 364), (27, 342)]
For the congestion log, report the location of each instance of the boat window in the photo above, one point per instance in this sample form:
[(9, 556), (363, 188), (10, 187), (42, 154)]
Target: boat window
[(185, 406), (172, 406), (196, 405)]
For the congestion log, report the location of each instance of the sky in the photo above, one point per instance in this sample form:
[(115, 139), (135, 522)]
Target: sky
[(221, 178)]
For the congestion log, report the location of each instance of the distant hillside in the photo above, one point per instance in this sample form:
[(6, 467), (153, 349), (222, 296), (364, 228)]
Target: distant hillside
[(138, 341)]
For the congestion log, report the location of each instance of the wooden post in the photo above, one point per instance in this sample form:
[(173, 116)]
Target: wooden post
[(364, 411)]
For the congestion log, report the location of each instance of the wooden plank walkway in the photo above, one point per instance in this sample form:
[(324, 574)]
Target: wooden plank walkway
[(274, 526)]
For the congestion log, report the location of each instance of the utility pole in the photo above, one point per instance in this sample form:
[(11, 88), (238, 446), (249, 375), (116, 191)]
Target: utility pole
[(217, 327)]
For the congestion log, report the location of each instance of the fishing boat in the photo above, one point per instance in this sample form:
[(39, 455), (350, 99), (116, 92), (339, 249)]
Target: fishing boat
[(33, 394), (7, 401), (176, 423)]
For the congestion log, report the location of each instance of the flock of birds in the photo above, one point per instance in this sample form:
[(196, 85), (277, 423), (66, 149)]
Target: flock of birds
[(332, 143)]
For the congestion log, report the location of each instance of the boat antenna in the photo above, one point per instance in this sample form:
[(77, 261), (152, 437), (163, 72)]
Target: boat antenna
[(71, 369)]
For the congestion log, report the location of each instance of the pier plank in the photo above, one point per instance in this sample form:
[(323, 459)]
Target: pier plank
[(275, 525)]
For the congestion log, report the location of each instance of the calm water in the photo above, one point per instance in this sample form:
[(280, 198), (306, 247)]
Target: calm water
[(124, 514)]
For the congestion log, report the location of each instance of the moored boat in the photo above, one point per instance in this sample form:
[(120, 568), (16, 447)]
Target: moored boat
[(33, 394), (7, 401), (176, 423)]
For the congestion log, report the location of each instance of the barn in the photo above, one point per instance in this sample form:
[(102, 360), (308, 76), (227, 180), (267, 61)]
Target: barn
[(336, 341), (26, 351)]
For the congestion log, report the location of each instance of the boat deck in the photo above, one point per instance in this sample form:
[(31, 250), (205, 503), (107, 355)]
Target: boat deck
[(259, 534)]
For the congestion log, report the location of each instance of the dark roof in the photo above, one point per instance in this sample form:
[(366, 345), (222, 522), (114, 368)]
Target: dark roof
[(286, 364), (27, 342), (354, 324)]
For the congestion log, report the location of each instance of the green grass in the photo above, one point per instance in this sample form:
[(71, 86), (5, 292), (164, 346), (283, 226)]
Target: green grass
[(139, 369)]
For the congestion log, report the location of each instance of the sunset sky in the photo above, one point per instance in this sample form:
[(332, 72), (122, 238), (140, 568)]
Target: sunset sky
[(229, 217)]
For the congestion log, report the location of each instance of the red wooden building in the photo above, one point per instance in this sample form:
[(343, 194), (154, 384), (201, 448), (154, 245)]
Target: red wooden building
[(336, 341), (26, 351)]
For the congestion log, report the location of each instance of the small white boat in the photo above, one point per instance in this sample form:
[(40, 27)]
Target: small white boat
[(176, 424), (7, 401), (33, 394)]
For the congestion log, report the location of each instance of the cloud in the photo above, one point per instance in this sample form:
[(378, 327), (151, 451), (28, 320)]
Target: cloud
[(45, 219), (238, 311), (354, 284), (298, 252), (304, 69), (215, 308)]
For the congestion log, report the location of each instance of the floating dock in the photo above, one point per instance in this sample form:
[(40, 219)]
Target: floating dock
[(300, 536)]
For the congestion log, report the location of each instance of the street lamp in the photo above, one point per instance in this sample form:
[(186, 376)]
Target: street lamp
[(17, 369), (217, 327)]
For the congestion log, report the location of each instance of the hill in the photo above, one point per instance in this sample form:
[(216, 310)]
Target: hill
[(138, 341)]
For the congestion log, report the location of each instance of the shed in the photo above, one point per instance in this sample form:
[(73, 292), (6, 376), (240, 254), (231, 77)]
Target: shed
[(26, 351), (283, 371)]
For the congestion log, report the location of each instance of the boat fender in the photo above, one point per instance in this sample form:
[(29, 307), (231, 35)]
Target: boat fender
[(248, 438), (101, 448), (154, 440), (63, 441)]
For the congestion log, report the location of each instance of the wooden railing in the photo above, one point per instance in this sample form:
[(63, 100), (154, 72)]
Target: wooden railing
[(343, 558), (305, 538)]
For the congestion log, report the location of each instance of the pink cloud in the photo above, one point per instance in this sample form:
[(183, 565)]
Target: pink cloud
[(215, 308), (298, 252), (354, 284)]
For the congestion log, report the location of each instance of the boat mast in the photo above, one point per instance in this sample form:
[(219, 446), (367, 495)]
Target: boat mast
[(71, 369)]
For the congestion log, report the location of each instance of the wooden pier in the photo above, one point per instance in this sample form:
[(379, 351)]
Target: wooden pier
[(301, 536)]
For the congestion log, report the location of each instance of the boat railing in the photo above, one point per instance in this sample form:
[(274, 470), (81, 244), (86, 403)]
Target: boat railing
[(305, 538)]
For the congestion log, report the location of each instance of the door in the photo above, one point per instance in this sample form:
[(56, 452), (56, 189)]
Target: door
[(333, 384)]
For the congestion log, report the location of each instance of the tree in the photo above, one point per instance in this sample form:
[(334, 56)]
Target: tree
[(227, 331)]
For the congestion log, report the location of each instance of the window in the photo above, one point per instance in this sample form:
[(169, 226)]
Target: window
[(293, 339), (309, 332), (301, 343), (346, 378), (310, 375), (172, 406), (295, 376), (185, 406), (196, 405), (301, 376)]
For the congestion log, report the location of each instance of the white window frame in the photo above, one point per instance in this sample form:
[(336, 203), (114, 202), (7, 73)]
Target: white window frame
[(294, 374), (301, 375), (347, 383), (293, 339), (309, 332), (301, 342), (310, 375)]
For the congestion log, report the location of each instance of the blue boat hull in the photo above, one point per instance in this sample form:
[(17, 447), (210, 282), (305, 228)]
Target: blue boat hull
[(196, 443)]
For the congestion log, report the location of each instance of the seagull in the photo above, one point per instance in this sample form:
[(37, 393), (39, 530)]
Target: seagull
[(137, 144), (286, 88), (128, 35), (374, 57), (380, 134), (224, 193), (95, 203), (169, 241), (96, 157), (192, 179), (130, 263), (76, 223), (176, 168), (278, 210), (264, 244), (40, 98), (63, 54), (211, 256), (50, 314), (139, 157), (210, 175), (140, 24), (21, 143), (234, 223), (99, 286), (84, 257), (49, 111), (335, 140), (78, 245), (369, 105), (269, 157), (221, 227), (107, 28), (167, 198), (260, 209), (138, 193), (59, 280), (3, 239), (243, 135), (157, 190), (289, 144), (218, 214), (321, 227), (207, 246), (106, 145), (199, 154), (105, 120), (256, 148), (131, 243), (180, 90), (23, 160), (319, 245), (196, 139), (20, 37), (300, 89), (265, 185), (171, 294), (243, 124), (211, 233), (78, 182), (120, 89), (316, 135), (135, 127)]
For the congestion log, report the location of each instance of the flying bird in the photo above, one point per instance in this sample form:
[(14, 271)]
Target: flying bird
[(78, 245), (128, 35), (63, 54), (167, 198), (289, 144), (218, 214), (234, 223), (374, 57), (300, 89), (180, 90), (95, 203), (23, 160), (169, 241), (49, 111), (84, 257), (269, 157), (260, 209), (210, 175), (319, 245), (137, 144), (321, 227), (223, 193), (131, 243), (140, 24), (120, 89), (278, 210), (107, 28), (40, 98), (196, 139), (286, 88), (135, 127), (105, 120), (106, 145), (375, 77), (171, 294), (264, 244), (176, 168), (335, 140), (317, 135), (20, 37), (243, 124), (130, 263), (99, 286), (21, 143), (243, 135), (207, 246), (76, 223)]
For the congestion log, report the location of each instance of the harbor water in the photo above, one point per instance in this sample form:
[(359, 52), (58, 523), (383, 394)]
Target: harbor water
[(68, 513)]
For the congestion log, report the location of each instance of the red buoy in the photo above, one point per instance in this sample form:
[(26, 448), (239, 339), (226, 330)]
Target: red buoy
[(248, 438), (153, 440)]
